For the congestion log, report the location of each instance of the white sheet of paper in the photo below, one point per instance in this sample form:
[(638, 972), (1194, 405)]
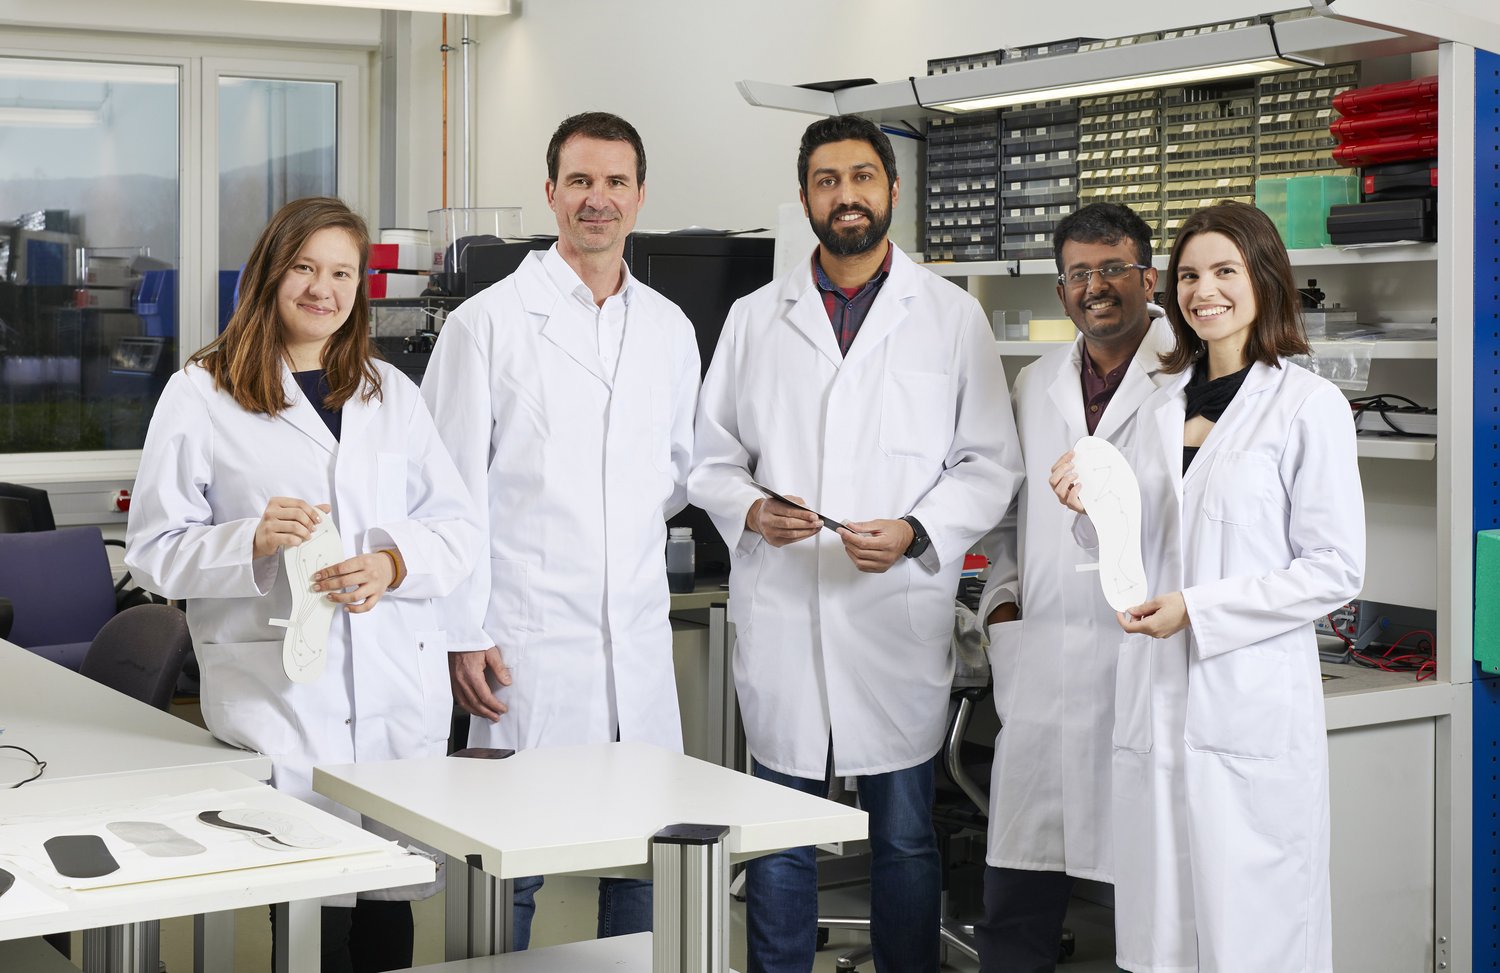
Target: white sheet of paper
[(21, 842)]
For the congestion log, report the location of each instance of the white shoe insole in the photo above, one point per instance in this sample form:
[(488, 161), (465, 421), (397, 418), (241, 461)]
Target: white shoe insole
[(304, 651), (1109, 491), (155, 839)]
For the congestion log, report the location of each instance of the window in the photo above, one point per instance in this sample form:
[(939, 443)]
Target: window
[(132, 186), (89, 239)]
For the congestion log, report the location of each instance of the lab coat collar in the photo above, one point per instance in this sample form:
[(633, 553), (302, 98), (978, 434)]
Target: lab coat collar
[(303, 415), (1140, 377), (807, 313), (803, 303), (537, 284), (1262, 378)]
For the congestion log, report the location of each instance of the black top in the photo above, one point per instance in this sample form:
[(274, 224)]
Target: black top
[(1209, 399), (314, 385)]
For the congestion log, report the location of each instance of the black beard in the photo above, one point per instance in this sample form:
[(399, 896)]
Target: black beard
[(849, 244)]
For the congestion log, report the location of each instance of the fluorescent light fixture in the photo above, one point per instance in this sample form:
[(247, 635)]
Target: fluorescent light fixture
[(1241, 52), (109, 72), (26, 117), (484, 8)]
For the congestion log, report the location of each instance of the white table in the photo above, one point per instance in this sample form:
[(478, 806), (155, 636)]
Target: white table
[(217, 892), (621, 954), (585, 809), (85, 729)]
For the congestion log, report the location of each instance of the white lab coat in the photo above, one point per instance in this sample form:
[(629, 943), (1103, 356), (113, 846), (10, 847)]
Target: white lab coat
[(915, 420), (207, 470), (1054, 667), (1221, 760), (579, 471)]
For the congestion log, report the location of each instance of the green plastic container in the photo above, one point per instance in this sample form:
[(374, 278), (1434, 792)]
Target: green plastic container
[(1270, 199), (1308, 199)]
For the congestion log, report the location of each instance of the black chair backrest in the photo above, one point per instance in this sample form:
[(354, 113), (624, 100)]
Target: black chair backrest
[(24, 509), (140, 652)]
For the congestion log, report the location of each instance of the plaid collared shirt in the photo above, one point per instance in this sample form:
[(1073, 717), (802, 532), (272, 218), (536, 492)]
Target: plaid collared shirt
[(847, 309)]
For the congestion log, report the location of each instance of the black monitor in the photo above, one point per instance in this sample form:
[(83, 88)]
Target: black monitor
[(703, 275)]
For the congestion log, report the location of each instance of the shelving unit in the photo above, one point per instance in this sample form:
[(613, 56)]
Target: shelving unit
[(1403, 751)]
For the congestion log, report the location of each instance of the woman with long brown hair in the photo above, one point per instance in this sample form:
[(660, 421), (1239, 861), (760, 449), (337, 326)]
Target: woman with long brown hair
[(283, 422), (1252, 526)]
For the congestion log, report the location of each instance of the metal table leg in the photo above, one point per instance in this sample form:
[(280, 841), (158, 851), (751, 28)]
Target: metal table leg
[(213, 943), (690, 907), (479, 913), (299, 932), (134, 948)]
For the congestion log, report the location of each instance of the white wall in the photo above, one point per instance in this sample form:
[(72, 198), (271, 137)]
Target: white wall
[(669, 66)]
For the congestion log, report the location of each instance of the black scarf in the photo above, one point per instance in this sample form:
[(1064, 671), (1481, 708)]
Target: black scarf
[(1209, 399)]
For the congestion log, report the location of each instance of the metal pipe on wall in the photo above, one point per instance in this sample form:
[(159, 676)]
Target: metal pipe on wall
[(467, 110)]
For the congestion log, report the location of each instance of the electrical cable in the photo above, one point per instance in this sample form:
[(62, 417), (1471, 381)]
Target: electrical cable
[(41, 765)]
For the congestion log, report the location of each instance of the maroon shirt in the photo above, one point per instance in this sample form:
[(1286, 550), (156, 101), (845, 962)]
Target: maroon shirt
[(1097, 391), (848, 307)]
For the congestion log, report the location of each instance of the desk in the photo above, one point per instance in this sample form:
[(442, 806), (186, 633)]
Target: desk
[(86, 730), (217, 892), (584, 809)]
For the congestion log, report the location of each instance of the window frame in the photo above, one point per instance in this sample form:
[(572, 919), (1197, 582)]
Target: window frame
[(200, 63)]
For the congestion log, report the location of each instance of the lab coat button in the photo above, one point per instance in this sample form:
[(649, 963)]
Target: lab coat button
[(349, 721)]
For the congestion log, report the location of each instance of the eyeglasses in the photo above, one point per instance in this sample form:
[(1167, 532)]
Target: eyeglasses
[(1080, 278)]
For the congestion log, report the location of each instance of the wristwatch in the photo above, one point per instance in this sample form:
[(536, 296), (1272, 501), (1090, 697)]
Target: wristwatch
[(920, 542)]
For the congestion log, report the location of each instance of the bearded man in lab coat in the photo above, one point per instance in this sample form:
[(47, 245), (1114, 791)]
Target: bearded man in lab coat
[(565, 394), (1053, 637), (873, 389)]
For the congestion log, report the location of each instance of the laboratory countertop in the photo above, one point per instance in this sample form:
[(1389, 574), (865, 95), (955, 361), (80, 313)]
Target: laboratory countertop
[(705, 594), (1355, 696)]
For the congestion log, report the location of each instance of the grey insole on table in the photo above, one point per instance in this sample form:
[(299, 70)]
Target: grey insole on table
[(155, 839)]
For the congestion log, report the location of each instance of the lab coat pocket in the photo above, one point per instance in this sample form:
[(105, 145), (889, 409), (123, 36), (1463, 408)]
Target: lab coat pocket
[(1239, 704), (390, 488), (246, 696), (929, 608), (1243, 489), (916, 415), (511, 611), (1005, 665), (1133, 708), (437, 690)]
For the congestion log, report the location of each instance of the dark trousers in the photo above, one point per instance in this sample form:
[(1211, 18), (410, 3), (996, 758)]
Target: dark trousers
[(1023, 920), (372, 937)]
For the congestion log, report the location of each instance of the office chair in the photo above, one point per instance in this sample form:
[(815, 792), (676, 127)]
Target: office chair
[(140, 652), (61, 589), (961, 804), (24, 508)]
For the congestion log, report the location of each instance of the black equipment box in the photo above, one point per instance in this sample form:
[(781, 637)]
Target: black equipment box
[(1385, 221)]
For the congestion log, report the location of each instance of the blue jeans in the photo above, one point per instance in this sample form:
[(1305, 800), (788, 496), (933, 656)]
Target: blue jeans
[(781, 892), (624, 907)]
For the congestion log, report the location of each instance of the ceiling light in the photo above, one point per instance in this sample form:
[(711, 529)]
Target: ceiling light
[(484, 8), (25, 117), (1199, 58)]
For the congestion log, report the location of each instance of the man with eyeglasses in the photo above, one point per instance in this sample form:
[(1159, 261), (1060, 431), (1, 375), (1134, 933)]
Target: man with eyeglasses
[(1053, 638)]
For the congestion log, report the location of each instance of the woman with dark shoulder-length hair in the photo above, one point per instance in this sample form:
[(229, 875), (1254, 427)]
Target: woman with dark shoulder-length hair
[(282, 422), (1252, 527)]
